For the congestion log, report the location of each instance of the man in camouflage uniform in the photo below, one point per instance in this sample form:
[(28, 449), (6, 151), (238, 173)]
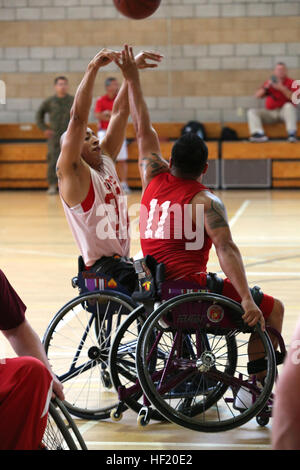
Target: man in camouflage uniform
[(58, 108)]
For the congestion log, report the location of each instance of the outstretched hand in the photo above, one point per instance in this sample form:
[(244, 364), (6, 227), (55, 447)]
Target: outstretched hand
[(126, 62), (143, 57), (104, 57)]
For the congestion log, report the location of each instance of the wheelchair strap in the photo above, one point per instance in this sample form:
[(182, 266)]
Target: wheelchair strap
[(259, 365)]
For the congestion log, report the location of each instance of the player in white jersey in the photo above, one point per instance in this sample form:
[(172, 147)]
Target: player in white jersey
[(88, 183)]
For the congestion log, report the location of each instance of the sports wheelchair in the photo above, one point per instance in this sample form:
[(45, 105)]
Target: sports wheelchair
[(182, 355), (78, 340), (61, 432)]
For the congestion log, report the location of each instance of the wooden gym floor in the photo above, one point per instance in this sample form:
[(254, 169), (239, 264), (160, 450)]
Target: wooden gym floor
[(39, 257)]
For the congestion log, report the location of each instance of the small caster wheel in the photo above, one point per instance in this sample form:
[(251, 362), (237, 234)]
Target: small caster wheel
[(106, 380), (142, 421), (143, 417), (115, 415), (262, 420)]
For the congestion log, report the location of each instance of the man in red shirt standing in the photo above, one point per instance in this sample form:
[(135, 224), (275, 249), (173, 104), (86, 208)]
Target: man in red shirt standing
[(277, 91), (103, 110)]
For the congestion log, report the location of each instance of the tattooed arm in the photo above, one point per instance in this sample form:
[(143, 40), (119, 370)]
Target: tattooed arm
[(151, 165), (230, 259)]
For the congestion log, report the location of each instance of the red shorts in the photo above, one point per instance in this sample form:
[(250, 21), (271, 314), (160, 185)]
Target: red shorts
[(266, 304), (25, 391)]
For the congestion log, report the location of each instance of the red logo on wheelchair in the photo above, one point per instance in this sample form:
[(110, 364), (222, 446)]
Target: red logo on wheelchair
[(215, 313)]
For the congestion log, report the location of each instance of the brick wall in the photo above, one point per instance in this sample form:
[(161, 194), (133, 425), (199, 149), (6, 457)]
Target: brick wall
[(217, 52)]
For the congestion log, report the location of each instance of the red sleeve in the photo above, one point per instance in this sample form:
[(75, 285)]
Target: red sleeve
[(12, 309), (98, 105)]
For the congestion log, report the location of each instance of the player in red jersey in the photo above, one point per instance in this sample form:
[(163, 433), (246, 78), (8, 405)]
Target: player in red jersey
[(167, 188)]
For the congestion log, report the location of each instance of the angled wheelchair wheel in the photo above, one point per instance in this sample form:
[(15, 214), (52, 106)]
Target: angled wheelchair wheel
[(123, 367), (204, 384), (77, 343), (61, 432)]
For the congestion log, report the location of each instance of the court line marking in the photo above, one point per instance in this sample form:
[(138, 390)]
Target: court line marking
[(83, 428), (239, 212), (163, 445)]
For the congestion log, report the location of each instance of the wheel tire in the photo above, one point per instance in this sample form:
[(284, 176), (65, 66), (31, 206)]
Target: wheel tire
[(67, 314), (57, 436), (156, 399)]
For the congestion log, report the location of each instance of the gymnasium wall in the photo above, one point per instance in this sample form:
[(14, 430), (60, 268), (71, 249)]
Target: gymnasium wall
[(217, 52)]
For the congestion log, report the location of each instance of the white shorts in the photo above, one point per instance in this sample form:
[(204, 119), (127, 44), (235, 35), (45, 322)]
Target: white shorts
[(123, 155)]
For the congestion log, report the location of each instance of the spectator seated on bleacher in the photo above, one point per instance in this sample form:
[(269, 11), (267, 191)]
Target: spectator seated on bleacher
[(278, 92)]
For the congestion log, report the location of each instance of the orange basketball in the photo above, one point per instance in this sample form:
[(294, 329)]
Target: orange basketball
[(137, 9)]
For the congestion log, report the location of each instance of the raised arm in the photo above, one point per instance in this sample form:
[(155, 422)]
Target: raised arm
[(230, 259), (70, 157), (151, 162), (73, 173)]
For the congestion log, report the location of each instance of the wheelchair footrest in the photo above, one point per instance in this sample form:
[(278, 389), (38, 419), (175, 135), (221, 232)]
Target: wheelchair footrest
[(259, 365)]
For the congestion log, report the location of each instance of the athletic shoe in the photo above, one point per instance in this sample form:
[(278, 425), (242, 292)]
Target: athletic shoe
[(257, 137), (292, 138)]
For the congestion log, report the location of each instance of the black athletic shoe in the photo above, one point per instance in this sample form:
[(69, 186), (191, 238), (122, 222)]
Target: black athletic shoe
[(257, 137)]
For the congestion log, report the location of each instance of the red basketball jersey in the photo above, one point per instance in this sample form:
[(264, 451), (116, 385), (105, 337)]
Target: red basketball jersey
[(166, 227)]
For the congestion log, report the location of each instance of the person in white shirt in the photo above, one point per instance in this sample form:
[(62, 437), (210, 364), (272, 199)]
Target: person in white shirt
[(88, 183)]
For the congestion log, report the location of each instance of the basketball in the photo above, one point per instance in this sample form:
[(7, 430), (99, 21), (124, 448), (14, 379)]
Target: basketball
[(137, 9)]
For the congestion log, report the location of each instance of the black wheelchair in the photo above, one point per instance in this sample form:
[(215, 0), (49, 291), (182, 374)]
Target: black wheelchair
[(61, 432), (78, 340), (182, 355)]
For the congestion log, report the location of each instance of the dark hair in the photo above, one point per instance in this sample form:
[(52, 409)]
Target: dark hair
[(60, 78), (109, 80), (189, 155)]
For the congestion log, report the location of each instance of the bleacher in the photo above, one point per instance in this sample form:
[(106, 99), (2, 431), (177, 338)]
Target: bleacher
[(233, 164)]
